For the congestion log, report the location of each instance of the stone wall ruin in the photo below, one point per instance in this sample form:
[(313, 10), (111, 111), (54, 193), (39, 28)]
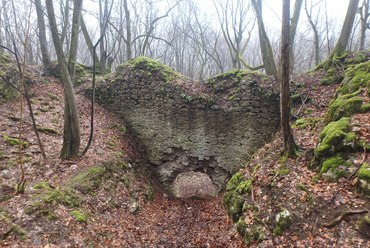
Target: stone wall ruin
[(196, 134)]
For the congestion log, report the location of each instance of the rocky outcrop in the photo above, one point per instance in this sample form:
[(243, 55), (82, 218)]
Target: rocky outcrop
[(196, 134)]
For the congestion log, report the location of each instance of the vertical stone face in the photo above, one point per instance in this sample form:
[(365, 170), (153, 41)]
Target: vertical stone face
[(202, 132)]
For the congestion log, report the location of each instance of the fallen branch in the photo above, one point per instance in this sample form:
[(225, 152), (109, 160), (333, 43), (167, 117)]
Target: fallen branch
[(342, 216)]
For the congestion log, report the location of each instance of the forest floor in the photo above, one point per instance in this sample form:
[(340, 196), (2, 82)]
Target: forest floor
[(163, 222)]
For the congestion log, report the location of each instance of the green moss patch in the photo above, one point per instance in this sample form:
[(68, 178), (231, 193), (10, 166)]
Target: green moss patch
[(14, 142), (305, 122), (48, 131), (344, 106), (332, 76), (332, 136), (356, 77), (146, 67), (80, 216), (249, 234)]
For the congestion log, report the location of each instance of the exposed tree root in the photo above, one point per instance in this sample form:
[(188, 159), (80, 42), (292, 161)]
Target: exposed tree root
[(342, 216)]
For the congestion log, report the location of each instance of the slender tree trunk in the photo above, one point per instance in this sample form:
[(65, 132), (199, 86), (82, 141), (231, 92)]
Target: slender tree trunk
[(266, 49), (42, 36), (293, 30), (289, 144), (74, 38), (1, 33), (71, 136), (65, 23), (88, 41), (315, 35), (364, 17), (128, 31)]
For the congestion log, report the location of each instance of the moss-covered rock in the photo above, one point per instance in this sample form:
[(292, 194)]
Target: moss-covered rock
[(250, 233), (331, 138), (355, 77), (234, 181), (305, 122), (283, 222), (233, 201), (344, 106), (332, 76)]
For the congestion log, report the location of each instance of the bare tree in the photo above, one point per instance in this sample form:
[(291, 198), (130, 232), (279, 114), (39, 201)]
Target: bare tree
[(313, 24), (42, 35), (265, 45), (74, 38), (341, 45), (233, 17), (293, 29), (364, 11), (288, 140), (71, 135)]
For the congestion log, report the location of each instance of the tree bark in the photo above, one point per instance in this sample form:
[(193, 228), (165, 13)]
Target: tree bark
[(266, 49), (71, 136), (288, 140), (74, 38)]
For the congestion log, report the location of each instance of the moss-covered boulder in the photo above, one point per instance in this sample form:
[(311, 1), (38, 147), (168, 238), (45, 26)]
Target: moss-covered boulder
[(283, 222), (234, 200), (331, 138), (250, 233), (332, 76), (339, 138), (355, 77), (344, 106)]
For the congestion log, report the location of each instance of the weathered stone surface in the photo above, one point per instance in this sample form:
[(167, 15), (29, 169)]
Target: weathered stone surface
[(212, 127)]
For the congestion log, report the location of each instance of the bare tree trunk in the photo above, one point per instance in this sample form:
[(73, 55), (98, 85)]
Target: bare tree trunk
[(266, 49), (88, 41), (128, 31), (42, 36), (340, 47), (71, 136), (1, 33), (74, 38), (293, 30), (65, 23), (315, 34), (364, 16), (288, 140)]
